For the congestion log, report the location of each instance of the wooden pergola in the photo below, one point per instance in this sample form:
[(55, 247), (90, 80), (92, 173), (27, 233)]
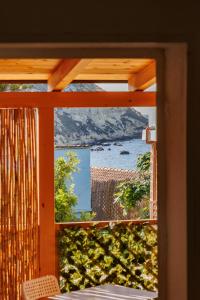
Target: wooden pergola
[(58, 74)]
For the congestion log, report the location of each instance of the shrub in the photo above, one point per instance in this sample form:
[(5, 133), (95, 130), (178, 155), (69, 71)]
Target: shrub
[(130, 194), (65, 198)]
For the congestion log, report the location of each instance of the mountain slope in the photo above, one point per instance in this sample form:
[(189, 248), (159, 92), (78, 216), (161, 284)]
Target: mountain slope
[(90, 125)]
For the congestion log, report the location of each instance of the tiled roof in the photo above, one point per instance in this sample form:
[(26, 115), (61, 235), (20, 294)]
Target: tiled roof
[(106, 174)]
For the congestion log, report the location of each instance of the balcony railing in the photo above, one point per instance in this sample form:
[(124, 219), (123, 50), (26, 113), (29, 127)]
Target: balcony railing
[(123, 253)]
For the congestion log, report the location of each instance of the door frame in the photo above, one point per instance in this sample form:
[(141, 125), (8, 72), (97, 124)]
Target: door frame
[(171, 61)]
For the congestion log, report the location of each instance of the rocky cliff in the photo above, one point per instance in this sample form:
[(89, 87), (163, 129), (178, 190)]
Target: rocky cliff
[(93, 125)]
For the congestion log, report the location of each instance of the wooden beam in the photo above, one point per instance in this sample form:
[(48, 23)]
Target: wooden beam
[(46, 192), (153, 182), (77, 99), (65, 73), (143, 79), (100, 224)]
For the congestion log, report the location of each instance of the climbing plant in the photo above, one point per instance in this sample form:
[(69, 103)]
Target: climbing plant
[(124, 254)]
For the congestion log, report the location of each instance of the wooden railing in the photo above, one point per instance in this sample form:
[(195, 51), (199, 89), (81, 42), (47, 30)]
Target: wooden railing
[(87, 224), (123, 253)]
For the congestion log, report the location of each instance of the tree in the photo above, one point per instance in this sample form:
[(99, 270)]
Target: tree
[(65, 198), (12, 87), (130, 194)]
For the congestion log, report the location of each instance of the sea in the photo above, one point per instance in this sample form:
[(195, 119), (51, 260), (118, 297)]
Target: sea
[(109, 157)]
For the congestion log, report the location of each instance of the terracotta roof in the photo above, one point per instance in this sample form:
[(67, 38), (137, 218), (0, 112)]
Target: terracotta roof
[(106, 174)]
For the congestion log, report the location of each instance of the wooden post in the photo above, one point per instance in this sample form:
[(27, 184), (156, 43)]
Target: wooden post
[(153, 174), (46, 192), (153, 187)]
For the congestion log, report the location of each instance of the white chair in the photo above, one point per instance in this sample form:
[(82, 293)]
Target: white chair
[(40, 287)]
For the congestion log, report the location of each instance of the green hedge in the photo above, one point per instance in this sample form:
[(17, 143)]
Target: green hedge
[(125, 254)]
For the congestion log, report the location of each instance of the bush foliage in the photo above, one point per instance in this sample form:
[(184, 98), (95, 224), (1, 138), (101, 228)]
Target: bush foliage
[(130, 194), (14, 87), (125, 254), (65, 198)]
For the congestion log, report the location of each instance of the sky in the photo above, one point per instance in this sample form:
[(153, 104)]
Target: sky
[(150, 111)]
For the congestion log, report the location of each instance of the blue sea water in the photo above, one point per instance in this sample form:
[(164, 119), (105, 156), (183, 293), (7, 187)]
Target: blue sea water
[(113, 158), (106, 158)]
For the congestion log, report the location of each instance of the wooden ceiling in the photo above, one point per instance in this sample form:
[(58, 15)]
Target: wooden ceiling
[(58, 73)]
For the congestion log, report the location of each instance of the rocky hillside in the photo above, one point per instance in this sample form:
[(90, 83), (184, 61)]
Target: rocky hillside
[(91, 125)]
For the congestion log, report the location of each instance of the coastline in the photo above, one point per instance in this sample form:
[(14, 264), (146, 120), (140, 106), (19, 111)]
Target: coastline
[(99, 142), (110, 155)]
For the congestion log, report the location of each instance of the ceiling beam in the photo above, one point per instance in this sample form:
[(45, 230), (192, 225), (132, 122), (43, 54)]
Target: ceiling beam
[(65, 72), (77, 99), (143, 79)]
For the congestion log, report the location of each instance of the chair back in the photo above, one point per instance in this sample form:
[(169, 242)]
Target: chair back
[(40, 287)]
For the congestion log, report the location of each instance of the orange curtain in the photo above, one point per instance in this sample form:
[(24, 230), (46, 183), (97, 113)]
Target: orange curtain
[(18, 200)]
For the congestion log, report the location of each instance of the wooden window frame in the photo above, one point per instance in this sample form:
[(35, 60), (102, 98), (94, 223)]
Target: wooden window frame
[(171, 61)]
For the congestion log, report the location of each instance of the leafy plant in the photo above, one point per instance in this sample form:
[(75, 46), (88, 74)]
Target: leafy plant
[(130, 194), (14, 87), (87, 215), (143, 162), (65, 199), (124, 254), (26, 86), (3, 87)]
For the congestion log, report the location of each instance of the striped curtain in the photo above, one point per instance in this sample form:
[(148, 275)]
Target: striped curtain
[(18, 200)]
